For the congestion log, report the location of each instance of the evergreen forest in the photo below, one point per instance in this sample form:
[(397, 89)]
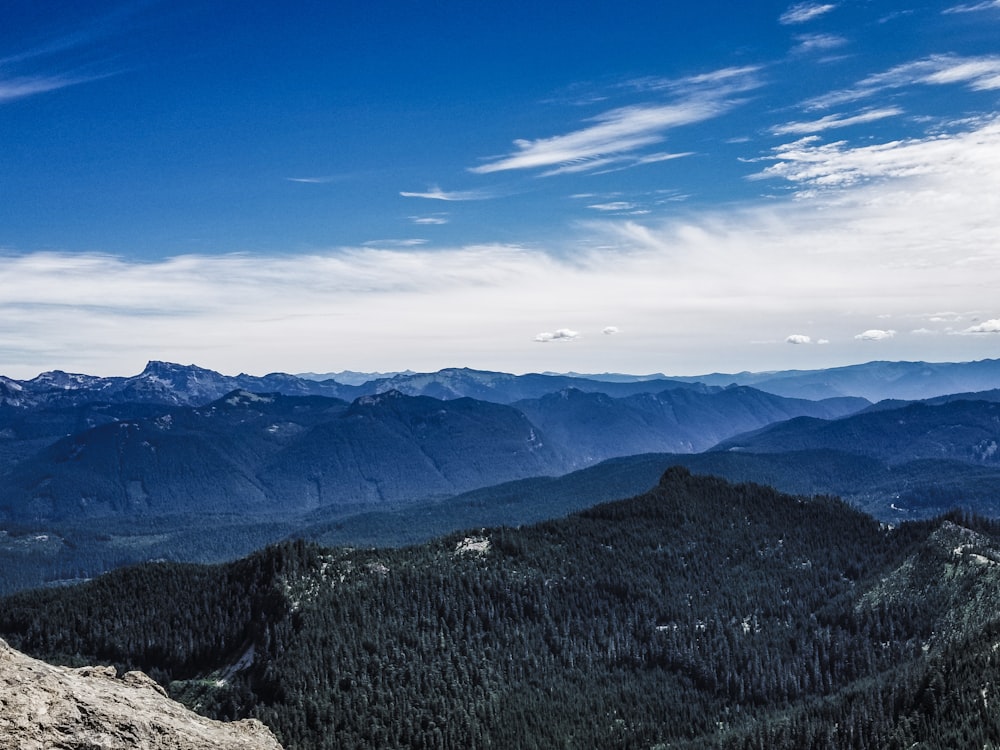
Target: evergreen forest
[(701, 614)]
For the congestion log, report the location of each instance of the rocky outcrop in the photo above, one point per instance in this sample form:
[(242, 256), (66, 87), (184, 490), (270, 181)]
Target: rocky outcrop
[(43, 707)]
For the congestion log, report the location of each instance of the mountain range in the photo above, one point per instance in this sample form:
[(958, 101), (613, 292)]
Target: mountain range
[(269, 454), (875, 381), (490, 587), (168, 383), (96, 472)]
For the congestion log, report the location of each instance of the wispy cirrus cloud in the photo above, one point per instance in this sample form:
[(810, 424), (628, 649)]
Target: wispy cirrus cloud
[(397, 243), (973, 7), (613, 206), (60, 62), (434, 220), (835, 121), (810, 43), (977, 73), (733, 78), (20, 87), (619, 135), (838, 261), (437, 194), (616, 133), (804, 12), (810, 163), (313, 180), (614, 163)]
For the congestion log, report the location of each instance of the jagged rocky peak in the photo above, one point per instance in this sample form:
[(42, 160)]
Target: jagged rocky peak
[(44, 706), (171, 372), (64, 380)]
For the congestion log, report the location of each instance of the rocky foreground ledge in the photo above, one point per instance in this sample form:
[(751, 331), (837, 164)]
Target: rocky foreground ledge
[(43, 707)]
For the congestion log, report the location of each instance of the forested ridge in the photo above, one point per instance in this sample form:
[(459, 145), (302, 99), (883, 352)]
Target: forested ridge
[(699, 615)]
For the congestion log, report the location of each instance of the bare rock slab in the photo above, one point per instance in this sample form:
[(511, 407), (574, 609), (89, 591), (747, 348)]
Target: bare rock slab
[(44, 707)]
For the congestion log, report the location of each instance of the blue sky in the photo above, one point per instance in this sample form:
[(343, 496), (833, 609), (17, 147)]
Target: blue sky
[(587, 186)]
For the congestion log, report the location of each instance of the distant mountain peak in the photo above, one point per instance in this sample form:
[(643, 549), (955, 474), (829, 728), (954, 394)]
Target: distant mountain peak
[(159, 368), (377, 399), (63, 380)]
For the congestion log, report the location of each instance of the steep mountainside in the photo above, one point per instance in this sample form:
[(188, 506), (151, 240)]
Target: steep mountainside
[(698, 615), (260, 454), (391, 448), (187, 460), (892, 494), (595, 426), (249, 453), (967, 431)]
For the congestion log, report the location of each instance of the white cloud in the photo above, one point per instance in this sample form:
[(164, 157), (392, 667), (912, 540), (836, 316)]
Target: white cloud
[(409, 242), (808, 162), (437, 194), (908, 247), (989, 326), (31, 71), (723, 80), (313, 180), (875, 334), (798, 338), (803, 12), (809, 43), (661, 156), (978, 73), (822, 341), (435, 220), (618, 134), (610, 330), (20, 87), (973, 7), (562, 334), (835, 121), (613, 206), (945, 317)]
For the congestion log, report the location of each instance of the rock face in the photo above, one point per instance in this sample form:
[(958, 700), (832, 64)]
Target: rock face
[(43, 706)]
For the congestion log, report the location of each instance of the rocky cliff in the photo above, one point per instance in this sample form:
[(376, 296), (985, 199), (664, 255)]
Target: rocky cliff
[(43, 706)]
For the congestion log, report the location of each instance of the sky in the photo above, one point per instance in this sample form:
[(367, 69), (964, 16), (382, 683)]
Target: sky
[(639, 186)]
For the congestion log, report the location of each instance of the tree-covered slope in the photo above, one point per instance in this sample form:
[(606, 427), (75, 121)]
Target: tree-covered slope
[(394, 448), (202, 459), (699, 615), (266, 454), (275, 454), (965, 430), (591, 427)]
